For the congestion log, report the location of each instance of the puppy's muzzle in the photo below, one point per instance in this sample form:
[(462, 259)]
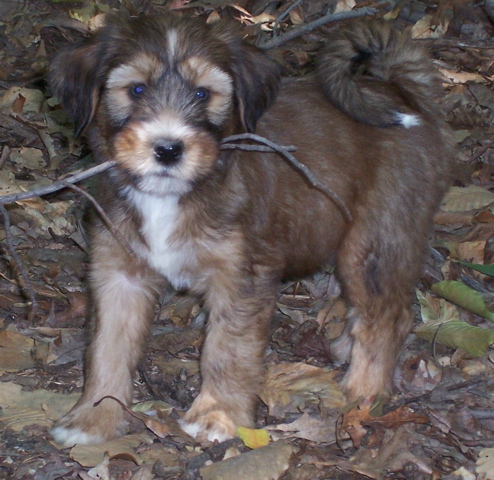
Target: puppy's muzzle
[(168, 152)]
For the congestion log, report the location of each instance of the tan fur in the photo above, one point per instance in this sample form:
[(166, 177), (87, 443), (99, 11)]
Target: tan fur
[(229, 226)]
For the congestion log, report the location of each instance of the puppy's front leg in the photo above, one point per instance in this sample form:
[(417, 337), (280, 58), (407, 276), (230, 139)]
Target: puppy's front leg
[(123, 297), (232, 359)]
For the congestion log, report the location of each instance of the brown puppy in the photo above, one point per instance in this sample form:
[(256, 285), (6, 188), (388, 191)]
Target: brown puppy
[(157, 94)]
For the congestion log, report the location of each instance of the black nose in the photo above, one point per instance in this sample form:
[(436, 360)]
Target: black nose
[(168, 152)]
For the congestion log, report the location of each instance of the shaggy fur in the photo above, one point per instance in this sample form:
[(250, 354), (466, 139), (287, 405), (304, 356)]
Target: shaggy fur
[(157, 94)]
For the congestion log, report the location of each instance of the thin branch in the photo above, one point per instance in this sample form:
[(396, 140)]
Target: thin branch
[(5, 155), (296, 32), (251, 148), (90, 172), (284, 15), (273, 147), (27, 283), (110, 225), (301, 168), (57, 185)]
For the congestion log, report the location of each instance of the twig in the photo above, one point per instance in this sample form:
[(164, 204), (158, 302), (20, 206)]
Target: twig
[(5, 155), (284, 15), (90, 172), (57, 185), (302, 30), (27, 283), (252, 148), (270, 147), (301, 168), (111, 226)]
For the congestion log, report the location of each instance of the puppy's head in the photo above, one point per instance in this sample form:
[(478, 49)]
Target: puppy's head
[(161, 92)]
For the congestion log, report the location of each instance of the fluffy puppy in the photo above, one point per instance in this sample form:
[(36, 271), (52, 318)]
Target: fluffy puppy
[(157, 95)]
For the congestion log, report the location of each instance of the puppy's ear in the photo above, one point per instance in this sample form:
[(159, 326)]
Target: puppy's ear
[(256, 76), (75, 76)]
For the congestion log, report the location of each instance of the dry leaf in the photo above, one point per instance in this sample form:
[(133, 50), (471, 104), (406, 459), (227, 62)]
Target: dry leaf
[(33, 100), (100, 472), (15, 352), (290, 386), (344, 6), (462, 199), (91, 455), (309, 427), (455, 76), (253, 438), (267, 463)]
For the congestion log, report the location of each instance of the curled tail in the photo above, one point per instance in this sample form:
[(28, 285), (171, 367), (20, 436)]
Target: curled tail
[(378, 75)]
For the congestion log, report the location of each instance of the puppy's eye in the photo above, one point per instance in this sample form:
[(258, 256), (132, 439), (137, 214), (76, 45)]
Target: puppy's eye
[(137, 90), (202, 93)]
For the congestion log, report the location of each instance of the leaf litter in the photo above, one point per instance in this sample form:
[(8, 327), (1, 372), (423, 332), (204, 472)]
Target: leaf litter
[(441, 425)]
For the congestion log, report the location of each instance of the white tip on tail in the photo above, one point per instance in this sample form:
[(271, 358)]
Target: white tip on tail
[(408, 120)]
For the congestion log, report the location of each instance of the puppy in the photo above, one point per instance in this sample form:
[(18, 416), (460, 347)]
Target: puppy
[(157, 95)]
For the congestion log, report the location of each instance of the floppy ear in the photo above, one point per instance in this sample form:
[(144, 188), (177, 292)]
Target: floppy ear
[(256, 76), (257, 81), (75, 75)]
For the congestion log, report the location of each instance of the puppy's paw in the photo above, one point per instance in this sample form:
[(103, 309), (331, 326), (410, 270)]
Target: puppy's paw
[(209, 419), (86, 424), (214, 425)]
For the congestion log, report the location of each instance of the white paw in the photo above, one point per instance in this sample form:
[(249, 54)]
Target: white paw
[(195, 429), (72, 436)]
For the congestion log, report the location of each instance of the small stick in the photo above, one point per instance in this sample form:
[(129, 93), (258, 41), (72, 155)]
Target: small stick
[(110, 225), (252, 148), (284, 151), (296, 32), (57, 185), (90, 172), (5, 155), (27, 283), (283, 16), (301, 168)]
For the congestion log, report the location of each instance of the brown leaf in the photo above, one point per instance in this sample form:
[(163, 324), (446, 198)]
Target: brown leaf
[(18, 104)]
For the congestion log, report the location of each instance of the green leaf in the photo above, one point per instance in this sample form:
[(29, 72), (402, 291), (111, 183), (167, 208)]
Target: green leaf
[(485, 269), (434, 309), (442, 324), (458, 334), (463, 296)]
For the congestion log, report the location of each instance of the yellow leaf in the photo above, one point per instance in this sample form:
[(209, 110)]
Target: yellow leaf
[(253, 438)]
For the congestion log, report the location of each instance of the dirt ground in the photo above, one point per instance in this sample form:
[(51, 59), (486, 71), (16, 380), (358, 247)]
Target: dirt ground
[(439, 424)]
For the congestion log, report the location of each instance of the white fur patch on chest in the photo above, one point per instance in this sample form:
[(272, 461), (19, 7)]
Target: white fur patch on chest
[(172, 258)]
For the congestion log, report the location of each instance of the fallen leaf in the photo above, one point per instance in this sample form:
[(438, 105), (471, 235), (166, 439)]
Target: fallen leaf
[(463, 296), (462, 199), (310, 427), (485, 269), (443, 325), (99, 472), (253, 438), (289, 387), (15, 352), (92, 455), (266, 463), (33, 100)]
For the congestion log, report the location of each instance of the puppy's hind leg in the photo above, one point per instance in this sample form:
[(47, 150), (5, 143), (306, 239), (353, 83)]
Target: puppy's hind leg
[(378, 272), (123, 297)]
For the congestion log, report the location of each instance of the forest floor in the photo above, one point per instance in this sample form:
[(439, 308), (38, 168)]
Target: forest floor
[(439, 424)]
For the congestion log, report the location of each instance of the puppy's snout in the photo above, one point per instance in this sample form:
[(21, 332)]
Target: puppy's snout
[(168, 152)]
